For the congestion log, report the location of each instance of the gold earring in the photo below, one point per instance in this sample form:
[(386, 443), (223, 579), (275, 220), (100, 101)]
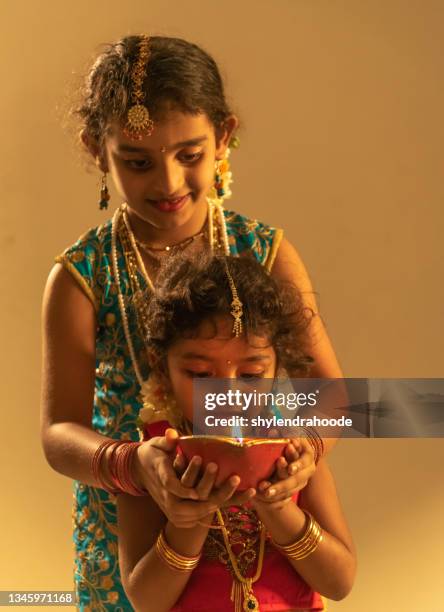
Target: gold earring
[(104, 194)]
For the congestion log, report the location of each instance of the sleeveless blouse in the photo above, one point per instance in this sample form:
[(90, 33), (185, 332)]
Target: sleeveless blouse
[(117, 399)]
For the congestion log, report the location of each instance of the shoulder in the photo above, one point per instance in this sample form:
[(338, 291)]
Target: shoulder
[(89, 243), (288, 266), (87, 259), (254, 236)]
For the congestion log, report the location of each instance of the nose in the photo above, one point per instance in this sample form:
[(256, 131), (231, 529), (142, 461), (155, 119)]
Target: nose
[(168, 180), (226, 371)]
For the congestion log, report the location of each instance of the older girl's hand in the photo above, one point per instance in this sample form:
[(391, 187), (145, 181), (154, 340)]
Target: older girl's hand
[(293, 471)]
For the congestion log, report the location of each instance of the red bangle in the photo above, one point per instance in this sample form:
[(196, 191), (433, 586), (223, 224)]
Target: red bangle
[(119, 465), (123, 465), (316, 442), (96, 465)]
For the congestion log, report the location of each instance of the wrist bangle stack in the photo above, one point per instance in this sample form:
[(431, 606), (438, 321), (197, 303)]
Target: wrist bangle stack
[(306, 544), (316, 442), (120, 462), (174, 560)]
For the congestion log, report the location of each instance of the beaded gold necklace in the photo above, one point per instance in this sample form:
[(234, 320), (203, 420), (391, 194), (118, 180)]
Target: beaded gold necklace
[(121, 229)]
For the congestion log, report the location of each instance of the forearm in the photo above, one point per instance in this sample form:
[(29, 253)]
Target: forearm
[(69, 449), (329, 569), (152, 586)]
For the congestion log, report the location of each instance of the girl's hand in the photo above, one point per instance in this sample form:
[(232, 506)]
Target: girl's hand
[(153, 467), (292, 473), (222, 496), (187, 500), (237, 499)]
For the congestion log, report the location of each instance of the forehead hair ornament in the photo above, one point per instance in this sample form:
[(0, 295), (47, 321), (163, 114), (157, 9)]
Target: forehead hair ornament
[(139, 122), (236, 305)]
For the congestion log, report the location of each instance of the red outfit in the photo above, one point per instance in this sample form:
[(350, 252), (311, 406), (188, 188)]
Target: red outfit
[(278, 588)]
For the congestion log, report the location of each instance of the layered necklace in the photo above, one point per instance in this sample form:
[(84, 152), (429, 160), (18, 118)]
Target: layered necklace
[(242, 543), (135, 267)]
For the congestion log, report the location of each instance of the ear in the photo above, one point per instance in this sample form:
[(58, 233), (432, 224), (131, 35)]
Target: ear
[(224, 133), (93, 147)]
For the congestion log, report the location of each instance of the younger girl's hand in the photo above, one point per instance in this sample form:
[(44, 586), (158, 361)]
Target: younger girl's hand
[(188, 499), (181, 465), (292, 473)]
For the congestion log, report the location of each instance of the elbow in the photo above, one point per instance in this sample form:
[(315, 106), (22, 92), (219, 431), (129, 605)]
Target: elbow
[(134, 596), (341, 587), (141, 599), (54, 447), (339, 592), (47, 445)]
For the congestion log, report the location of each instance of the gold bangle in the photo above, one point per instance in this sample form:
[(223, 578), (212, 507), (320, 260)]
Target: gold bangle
[(174, 560), (306, 544)]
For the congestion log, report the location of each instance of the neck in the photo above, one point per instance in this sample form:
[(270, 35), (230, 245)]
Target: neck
[(160, 237)]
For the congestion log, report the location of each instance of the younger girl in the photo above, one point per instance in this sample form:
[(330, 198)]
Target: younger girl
[(264, 554)]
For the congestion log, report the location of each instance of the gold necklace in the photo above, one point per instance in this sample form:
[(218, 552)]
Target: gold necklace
[(218, 237), (242, 589), (174, 247)]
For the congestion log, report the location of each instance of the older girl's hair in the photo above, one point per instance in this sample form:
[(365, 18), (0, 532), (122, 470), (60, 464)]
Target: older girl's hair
[(180, 75), (192, 290)]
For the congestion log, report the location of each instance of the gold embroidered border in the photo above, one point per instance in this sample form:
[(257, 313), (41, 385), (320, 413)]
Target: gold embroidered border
[(274, 249), (63, 259)]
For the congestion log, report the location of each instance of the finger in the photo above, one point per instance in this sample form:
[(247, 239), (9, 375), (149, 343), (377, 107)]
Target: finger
[(164, 443), (291, 453), (263, 486), (225, 491), (281, 468), (241, 497), (171, 434), (305, 459), (304, 446), (207, 481), (168, 479), (190, 476), (286, 488), (180, 464)]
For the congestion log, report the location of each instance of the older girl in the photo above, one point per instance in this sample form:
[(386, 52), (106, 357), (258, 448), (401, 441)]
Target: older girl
[(154, 118)]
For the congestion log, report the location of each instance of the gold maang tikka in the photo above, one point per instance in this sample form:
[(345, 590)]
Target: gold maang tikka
[(236, 305), (139, 122)]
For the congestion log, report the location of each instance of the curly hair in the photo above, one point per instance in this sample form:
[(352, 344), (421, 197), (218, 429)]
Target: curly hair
[(192, 290), (180, 75)]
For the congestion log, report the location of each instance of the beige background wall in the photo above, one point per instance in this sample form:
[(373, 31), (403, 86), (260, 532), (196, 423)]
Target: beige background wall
[(341, 103)]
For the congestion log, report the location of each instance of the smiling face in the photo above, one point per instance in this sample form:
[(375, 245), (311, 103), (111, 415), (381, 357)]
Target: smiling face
[(216, 353), (165, 177)]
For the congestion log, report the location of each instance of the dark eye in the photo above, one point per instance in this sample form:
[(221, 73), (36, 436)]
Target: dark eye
[(138, 164), (189, 158), (251, 375), (194, 374)]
